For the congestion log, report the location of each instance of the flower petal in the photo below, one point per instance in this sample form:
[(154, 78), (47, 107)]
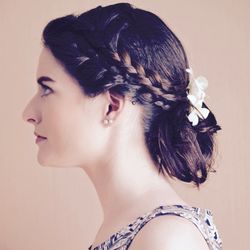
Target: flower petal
[(201, 82), (192, 117), (204, 112), (190, 71), (192, 99)]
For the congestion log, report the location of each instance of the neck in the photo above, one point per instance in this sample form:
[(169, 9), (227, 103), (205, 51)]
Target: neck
[(130, 182)]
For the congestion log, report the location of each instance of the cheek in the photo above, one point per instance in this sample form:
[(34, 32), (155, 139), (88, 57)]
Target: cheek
[(88, 136), (75, 137), (83, 133), (69, 128)]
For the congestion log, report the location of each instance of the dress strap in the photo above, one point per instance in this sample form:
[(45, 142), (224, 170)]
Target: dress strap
[(201, 217)]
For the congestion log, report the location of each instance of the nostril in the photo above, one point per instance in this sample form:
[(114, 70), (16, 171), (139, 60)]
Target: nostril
[(30, 120)]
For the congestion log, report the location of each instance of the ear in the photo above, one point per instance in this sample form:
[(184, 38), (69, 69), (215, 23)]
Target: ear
[(115, 104)]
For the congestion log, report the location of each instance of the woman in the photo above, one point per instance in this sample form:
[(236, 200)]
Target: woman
[(117, 98)]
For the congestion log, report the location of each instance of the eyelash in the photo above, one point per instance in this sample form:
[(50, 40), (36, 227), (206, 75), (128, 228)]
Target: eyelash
[(44, 87)]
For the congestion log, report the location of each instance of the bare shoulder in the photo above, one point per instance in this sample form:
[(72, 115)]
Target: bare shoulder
[(169, 233)]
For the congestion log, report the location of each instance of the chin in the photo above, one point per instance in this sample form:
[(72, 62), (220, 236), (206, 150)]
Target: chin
[(45, 162), (42, 162), (60, 162)]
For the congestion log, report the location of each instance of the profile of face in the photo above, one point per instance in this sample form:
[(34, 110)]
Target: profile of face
[(70, 121)]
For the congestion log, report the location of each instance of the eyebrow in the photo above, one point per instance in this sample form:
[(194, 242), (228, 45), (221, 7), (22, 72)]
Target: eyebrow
[(42, 79)]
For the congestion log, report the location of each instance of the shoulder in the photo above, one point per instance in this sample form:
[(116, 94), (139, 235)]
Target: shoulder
[(169, 233)]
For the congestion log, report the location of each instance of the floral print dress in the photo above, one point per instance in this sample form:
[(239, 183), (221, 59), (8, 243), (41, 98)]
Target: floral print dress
[(201, 217)]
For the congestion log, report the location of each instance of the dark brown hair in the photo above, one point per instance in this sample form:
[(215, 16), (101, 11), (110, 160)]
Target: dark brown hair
[(130, 51)]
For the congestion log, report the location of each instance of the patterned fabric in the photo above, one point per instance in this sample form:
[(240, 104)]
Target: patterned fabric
[(201, 217)]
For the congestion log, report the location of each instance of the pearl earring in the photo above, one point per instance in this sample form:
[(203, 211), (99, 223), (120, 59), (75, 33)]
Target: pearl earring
[(107, 121)]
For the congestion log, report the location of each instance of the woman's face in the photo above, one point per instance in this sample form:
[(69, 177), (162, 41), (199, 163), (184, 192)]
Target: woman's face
[(71, 121)]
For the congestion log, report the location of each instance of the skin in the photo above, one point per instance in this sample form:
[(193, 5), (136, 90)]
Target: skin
[(115, 156)]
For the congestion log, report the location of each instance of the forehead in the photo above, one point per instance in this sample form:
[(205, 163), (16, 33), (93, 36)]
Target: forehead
[(49, 66)]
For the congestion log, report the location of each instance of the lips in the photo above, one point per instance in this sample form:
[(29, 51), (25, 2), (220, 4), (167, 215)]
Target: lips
[(39, 136)]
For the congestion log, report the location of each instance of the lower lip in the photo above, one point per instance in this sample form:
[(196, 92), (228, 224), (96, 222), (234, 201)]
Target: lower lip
[(40, 139)]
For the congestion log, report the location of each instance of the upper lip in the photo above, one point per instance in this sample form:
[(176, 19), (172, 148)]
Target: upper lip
[(38, 135)]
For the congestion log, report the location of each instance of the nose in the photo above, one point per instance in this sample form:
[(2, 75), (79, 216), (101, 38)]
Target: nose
[(29, 113)]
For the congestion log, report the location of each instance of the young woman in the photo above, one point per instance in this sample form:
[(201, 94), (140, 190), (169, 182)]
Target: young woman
[(117, 98)]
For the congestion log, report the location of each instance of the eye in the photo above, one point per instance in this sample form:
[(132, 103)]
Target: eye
[(44, 87)]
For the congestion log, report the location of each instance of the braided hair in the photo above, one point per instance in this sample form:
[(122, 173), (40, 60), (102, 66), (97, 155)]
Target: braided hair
[(132, 52)]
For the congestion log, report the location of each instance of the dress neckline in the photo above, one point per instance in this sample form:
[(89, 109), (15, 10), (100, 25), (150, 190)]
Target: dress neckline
[(187, 207)]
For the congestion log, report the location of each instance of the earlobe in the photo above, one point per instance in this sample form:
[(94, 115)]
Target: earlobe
[(113, 107), (107, 121)]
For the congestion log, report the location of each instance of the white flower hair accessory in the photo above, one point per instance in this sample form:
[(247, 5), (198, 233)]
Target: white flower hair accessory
[(196, 96)]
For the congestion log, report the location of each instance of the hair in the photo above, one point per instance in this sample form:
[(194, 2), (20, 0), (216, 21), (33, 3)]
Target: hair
[(130, 51)]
